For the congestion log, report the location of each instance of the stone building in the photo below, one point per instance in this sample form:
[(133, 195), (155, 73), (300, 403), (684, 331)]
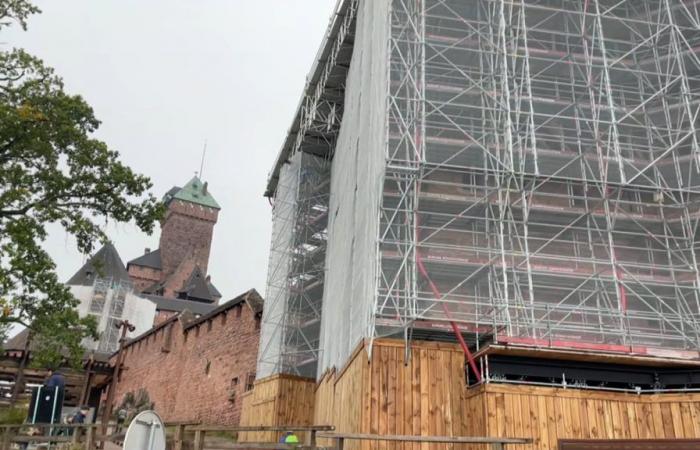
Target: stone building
[(177, 269), (196, 369)]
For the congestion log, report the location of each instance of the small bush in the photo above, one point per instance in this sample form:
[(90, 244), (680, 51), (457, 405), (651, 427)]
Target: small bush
[(13, 415)]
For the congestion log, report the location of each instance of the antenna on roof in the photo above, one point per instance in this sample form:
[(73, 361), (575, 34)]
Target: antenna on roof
[(201, 166)]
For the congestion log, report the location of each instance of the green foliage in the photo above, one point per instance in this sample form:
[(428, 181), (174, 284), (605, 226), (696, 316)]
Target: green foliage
[(14, 415), (134, 403), (52, 170)]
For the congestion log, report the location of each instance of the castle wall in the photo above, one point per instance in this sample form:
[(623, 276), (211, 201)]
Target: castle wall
[(198, 373)]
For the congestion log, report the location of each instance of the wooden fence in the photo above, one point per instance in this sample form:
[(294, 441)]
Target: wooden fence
[(87, 437)]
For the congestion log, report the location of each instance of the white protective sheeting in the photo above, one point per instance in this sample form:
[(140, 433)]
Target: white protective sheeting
[(356, 187), (279, 266)]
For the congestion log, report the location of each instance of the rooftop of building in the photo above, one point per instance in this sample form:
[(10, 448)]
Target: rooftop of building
[(105, 263), (178, 305), (148, 259), (195, 191)]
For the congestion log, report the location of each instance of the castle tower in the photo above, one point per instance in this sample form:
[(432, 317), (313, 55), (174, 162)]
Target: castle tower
[(178, 268), (188, 226)]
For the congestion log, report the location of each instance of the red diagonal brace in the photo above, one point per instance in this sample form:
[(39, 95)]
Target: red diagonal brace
[(455, 327)]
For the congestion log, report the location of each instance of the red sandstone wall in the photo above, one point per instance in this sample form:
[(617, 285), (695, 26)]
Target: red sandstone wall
[(177, 380), (186, 230), (143, 277)]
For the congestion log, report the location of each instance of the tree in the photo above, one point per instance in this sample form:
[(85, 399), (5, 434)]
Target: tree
[(52, 170)]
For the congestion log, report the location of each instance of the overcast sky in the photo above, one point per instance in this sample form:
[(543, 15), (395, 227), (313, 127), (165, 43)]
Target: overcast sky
[(163, 76)]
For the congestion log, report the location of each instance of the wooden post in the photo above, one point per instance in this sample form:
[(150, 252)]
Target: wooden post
[(6, 438), (87, 384), (179, 437), (198, 440), (77, 432), (312, 439), (107, 410), (90, 438), (18, 387)]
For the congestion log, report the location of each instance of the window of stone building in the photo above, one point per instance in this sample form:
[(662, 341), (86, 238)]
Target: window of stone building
[(207, 367), (196, 331), (223, 318), (209, 325), (239, 310), (250, 382), (257, 323), (233, 389), (167, 338)]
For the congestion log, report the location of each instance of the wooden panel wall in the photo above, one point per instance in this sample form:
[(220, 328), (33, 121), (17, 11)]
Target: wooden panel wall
[(428, 396), (275, 401), (548, 414)]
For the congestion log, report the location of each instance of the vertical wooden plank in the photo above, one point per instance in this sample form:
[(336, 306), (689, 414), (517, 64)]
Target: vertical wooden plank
[(591, 425), (7, 438), (564, 419), (648, 421), (604, 418), (438, 403), (633, 420), (433, 402), (179, 437), (541, 421), (615, 416), (416, 395), (687, 419), (383, 390), (374, 394), (504, 416), (574, 413), (677, 418), (657, 420), (90, 438), (512, 415), (526, 412), (552, 425), (401, 397), (695, 412), (424, 400), (391, 419)]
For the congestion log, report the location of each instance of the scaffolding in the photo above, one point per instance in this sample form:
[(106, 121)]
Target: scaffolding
[(107, 304), (539, 176), (292, 322)]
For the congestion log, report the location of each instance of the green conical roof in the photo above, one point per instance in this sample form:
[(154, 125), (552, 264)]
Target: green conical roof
[(195, 191)]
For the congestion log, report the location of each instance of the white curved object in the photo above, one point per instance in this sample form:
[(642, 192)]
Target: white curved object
[(146, 432)]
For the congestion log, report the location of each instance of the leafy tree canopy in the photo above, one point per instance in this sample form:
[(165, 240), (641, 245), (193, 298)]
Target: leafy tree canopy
[(52, 170)]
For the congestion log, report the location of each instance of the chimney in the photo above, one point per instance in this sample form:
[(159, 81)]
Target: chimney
[(146, 250), (204, 188)]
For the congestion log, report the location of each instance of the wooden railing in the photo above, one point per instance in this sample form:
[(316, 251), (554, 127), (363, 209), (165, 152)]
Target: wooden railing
[(200, 432), (495, 443), (85, 434)]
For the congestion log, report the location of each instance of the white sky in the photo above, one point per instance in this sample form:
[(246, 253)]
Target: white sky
[(163, 76)]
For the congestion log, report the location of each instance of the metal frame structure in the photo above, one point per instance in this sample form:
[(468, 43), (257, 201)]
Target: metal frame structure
[(295, 281), (543, 163), (300, 185), (107, 303), (541, 178)]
